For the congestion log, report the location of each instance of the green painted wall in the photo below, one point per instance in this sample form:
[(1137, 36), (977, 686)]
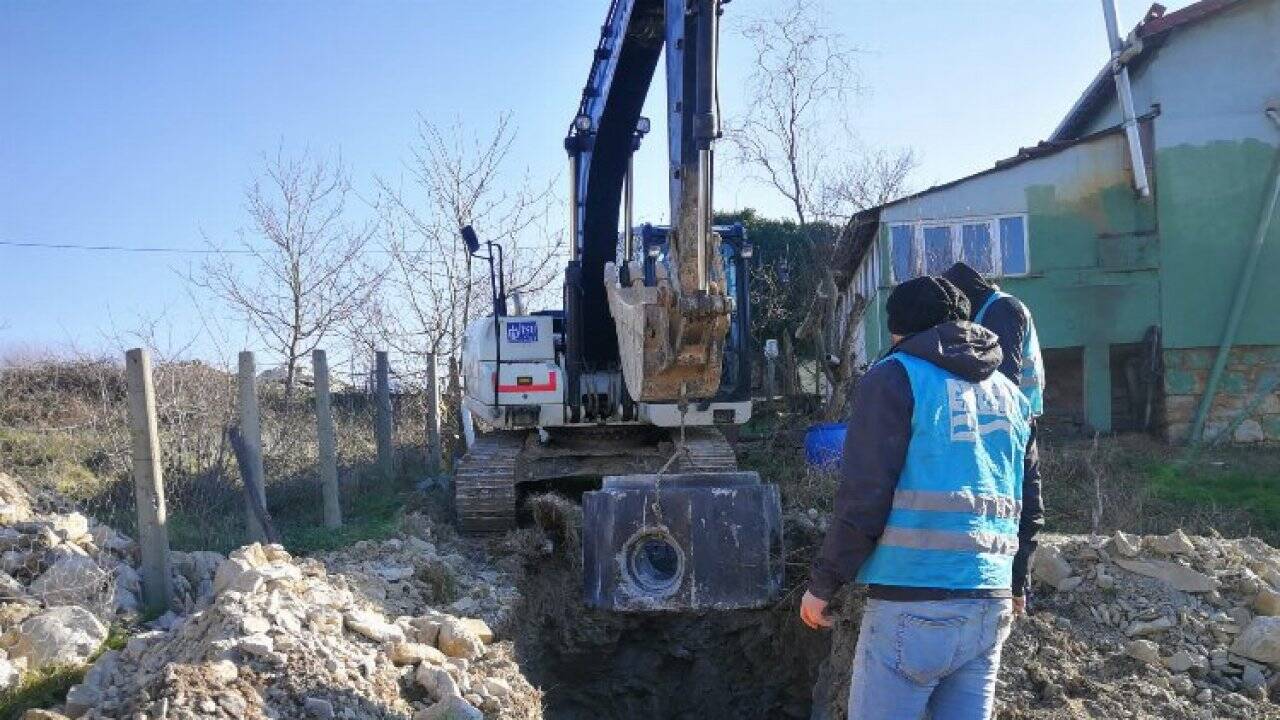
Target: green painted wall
[(1211, 198)]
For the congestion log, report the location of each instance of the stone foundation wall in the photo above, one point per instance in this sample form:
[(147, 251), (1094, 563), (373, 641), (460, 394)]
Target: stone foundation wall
[(1187, 373)]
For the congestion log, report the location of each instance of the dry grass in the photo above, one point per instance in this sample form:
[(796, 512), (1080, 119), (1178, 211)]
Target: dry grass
[(63, 426)]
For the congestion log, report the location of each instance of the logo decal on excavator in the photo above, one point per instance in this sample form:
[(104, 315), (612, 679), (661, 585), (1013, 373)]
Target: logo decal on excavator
[(522, 331)]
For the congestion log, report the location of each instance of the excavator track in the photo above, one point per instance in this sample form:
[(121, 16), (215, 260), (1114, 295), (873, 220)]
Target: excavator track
[(707, 450), (484, 483)]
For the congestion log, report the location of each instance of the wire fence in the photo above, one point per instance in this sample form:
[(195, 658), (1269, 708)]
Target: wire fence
[(64, 427)]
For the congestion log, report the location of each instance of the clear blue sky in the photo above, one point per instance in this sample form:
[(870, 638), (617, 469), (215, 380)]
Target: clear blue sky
[(140, 123)]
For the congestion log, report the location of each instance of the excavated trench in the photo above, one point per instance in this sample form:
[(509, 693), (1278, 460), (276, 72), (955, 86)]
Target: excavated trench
[(594, 664)]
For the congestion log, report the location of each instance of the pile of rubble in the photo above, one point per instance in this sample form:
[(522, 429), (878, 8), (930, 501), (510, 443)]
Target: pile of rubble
[(428, 567), (1148, 627), (285, 639), (65, 578)]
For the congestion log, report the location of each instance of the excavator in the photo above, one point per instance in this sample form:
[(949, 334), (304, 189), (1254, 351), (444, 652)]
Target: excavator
[(622, 398)]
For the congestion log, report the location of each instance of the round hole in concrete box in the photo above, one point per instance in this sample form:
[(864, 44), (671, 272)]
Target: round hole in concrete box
[(655, 563)]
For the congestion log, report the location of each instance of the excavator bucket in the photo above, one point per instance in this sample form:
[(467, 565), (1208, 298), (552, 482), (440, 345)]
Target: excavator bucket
[(681, 543), (671, 344)]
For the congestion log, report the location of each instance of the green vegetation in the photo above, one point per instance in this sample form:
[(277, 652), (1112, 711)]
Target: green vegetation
[(373, 514), (1245, 480)]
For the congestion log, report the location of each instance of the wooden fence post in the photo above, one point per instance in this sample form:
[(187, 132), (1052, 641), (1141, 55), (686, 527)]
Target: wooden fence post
[(434, 454), (251, 432), (148, 483), (382, 427), (327, 441)]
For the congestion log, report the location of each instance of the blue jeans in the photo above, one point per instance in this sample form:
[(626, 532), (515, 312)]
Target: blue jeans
[(937, 656)]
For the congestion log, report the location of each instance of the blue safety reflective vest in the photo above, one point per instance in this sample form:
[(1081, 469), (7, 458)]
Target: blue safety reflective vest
[(956, 509), (1031, 381)]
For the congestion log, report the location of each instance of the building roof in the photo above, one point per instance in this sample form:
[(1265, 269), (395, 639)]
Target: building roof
[(1149, 34), (1145, 39)]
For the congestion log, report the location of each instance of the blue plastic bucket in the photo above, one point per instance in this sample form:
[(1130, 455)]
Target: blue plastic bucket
[(824, 445)]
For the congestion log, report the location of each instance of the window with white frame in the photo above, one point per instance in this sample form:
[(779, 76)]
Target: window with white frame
[(995, 246)]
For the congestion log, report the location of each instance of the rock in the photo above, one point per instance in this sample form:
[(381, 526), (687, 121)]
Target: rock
[(37, 714), (260, 646), (107, 538), (1049, 567), (450, 709), (70, 527), (1253, 677), (1175, 543), (237, 575), (1260, 641), (497, 687), (1150, 627), (1204, 696), (8, 675), (1143, 651), (438, 682), (457, 640), (394, 573), (1103, 579), (410, 653), (66, 635), (1125, 545), (1183, 661), (318, 708), (479, 628), (373, 626), (1267, 602), (1070, 584), (72, 580), (1176, 576), (88, 694)]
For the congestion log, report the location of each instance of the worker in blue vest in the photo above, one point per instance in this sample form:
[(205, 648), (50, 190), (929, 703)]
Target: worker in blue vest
[(1010, 319), (929, 514)]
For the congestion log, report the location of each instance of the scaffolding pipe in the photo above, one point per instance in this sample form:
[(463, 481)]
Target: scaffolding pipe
[(1124, 93), (1238, 303)]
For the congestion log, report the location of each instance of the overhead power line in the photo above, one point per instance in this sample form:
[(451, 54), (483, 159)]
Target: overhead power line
[(122, 248)]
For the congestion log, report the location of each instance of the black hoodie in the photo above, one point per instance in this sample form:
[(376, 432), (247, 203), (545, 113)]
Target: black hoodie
[(1007, 317), (875, 451)]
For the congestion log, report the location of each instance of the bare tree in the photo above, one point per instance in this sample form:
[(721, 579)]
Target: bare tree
[(298, 274), (432, 290), (804, 74), (870, 179)]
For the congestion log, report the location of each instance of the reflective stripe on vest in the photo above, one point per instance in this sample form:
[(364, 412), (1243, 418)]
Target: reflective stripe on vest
[(1031, 380), (954, 520)]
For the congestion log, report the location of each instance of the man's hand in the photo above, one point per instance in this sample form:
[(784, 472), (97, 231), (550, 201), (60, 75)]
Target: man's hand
[(813, 611), (1019, 606)]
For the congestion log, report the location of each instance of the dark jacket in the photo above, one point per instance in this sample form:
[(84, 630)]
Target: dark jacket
[(875, 451)]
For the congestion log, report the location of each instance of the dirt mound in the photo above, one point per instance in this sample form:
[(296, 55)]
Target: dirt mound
[(286, 639), (1162, 627)]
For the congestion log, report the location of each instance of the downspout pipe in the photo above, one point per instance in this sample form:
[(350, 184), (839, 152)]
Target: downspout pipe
[(1124, 93), (1243, 286)]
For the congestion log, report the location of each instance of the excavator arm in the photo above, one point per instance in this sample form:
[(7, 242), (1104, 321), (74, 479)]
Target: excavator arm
[(670, 326)]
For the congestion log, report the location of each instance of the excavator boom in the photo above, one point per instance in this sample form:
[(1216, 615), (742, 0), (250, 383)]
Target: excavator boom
[(670, 325)]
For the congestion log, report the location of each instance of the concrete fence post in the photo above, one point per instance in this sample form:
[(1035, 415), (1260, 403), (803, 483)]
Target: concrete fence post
[(434, 454), (326, 438), (251, 432), (148, 483), (382, 426)]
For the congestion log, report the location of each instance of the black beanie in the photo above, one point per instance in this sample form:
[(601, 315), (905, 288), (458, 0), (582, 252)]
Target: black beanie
[(920, 303), (970, 282)]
